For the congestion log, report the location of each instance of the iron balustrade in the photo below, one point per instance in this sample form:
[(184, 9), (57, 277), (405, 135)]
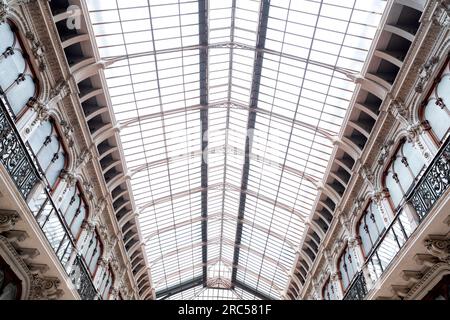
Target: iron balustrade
[(53, 226), (357, 289), (82, 280), (433, 183), (431, 186), (389, 244), (23, 168), (14, 156)]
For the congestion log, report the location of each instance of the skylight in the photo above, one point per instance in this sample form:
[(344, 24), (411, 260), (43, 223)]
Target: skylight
[(260, 84)]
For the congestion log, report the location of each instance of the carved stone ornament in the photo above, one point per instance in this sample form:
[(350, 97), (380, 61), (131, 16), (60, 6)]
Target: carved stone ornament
[(44, 288), (69, 178), (367, 173), (439, 247), (8, 220), (41, 109), (34, 285), (414, 132), (384, 151), (4, 11), (336, 276), (89, 190), (67, 131), (84, 157), (37, 49), (441, 16), (115, 264), (89, 226), (103, 231), (378, 196), (61, 89), (399, 110), (425, 73)]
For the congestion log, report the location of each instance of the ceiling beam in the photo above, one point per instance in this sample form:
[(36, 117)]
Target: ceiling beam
[(235, 46), (166, 293), (252, 291), (254, 95), (204, 100)]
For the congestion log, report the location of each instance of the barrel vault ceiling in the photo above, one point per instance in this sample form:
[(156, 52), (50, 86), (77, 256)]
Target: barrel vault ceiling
[(224, 108)]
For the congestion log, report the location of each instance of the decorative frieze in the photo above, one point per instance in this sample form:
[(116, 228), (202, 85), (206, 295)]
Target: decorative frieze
[(425, 73), (8, 219)]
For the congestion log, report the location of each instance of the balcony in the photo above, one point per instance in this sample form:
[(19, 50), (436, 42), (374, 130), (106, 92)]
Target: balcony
[(81, 279), (358, 288), (24, 170), (432, 185)]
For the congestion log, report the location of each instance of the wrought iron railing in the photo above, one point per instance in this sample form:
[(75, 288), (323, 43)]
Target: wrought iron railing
[(433, 183), (431, 186), (14, 157), (358, 288), (82, 280), (24, 170), (389, 245)]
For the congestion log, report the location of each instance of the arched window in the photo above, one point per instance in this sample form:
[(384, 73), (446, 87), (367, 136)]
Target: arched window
[(47, 147), (92, 252), (74, 210), (106, 283), (403, 172), (17, 83), (371, 227), (347, 267), (437, 109), (329, 291)]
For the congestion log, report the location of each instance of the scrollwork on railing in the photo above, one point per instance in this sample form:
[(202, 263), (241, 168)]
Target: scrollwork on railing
[(82, 280), (14, 156), (433, 184), (358, 289)]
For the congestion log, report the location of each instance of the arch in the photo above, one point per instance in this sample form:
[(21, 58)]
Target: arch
[(92, 252), (329, 292), (74, 209), (106, 283), (347, 266), (401, 172), (49, 150), (435, 109), (370, 227), (18, 80)]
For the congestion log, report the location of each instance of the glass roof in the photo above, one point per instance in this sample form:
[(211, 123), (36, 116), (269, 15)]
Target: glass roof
[(225, 108)]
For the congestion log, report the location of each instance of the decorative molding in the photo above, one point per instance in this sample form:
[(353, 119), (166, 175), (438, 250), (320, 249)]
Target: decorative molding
[(8, 220), (426, 278), (425, 73), (38, 50), (68, 131), (34, 285), (385, 151), (439, 247)]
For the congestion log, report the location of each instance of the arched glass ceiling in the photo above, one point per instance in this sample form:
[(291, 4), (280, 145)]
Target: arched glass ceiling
[(225, 108)]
